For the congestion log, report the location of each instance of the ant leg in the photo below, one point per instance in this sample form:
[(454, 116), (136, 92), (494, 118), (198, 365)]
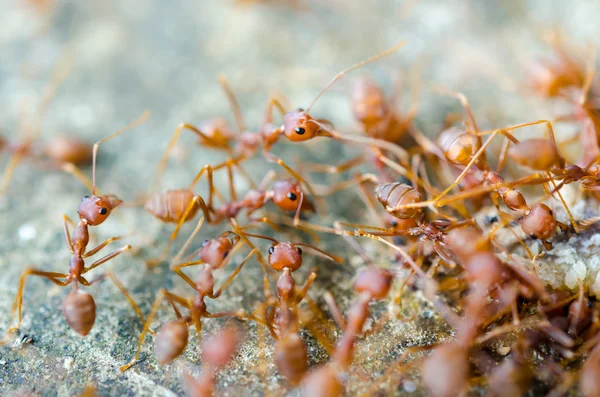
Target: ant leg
[(18, 303), (162, 164), (185, 246), (197, 200), (177, 269), (8, 171), (121, 288), (134, 123), (100, 247), (232, 276), (233, 103), (209, 175), (155, 306), (335, 310), (239, 231), (66, 221), (304, 290), (106, 258), (564, 203), (76, 172), (335, 169), (269, 112)]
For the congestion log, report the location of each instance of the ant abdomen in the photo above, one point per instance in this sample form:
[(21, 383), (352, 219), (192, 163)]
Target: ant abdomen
[(79, 310), (69, 150), (369, 103), (458, 146), (539, 222), (394, 194), (170, 206), (171, 340), (291, 357), (538, 154)]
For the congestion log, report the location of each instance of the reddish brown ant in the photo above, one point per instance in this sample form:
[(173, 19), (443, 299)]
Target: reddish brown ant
[(371, 284), (290, 351), (217, 351), (79, 308), (172, 338), (60, 152)]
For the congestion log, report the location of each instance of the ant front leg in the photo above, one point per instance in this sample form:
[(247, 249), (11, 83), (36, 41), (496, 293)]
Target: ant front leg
[(106, 258), (9, 170), (18, 303), (232, 276)]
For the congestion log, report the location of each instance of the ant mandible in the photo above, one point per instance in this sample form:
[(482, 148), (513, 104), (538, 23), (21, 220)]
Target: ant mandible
[(79, 308)]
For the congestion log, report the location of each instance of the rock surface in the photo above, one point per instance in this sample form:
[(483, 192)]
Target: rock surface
[(132, 55)]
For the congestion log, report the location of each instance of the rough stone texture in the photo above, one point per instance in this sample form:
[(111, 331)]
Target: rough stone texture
[(133, 55)]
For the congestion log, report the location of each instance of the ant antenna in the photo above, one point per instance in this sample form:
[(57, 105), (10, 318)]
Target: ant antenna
[(233, 102), (327, 255), (356, 66), (589, 76), (140, 120)]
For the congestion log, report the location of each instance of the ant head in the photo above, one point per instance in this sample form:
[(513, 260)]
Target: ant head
[(286, 194), (95, 210), (540, 222), (459, 146), (285, 254), (377, 282), (214, 252), (299, 126)]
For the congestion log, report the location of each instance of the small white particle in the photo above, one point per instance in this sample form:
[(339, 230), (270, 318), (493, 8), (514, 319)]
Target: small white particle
[(27, 232), (409, 386), (503, 350), (68, 362)]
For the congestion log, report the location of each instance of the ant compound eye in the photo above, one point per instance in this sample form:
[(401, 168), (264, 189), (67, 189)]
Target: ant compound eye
[(394, 223), (103, 211), (271, 250), (225, 254), (300, 110), (533, 236), (292, 196), (85, 198), (299, 250), (204, 243), (300, 130)]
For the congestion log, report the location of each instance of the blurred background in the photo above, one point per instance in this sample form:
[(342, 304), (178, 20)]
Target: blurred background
[(130, 55)]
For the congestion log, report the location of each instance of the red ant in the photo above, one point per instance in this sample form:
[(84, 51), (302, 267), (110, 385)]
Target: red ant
[(290, 351), (466, 150), (79, 308), (172, 338), (298, 126), (371, 284), (61, 152), (181, 205)]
